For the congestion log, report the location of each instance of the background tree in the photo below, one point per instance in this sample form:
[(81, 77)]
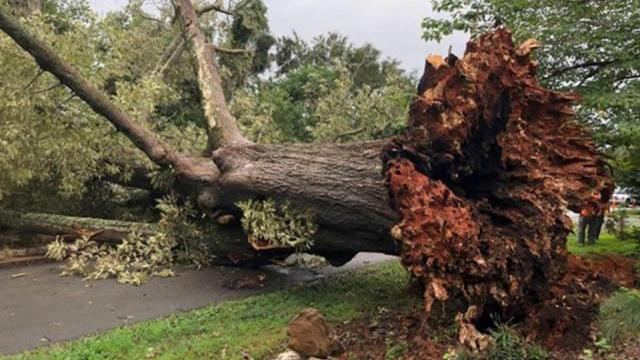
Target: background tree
[(326, 91), (592, 47)]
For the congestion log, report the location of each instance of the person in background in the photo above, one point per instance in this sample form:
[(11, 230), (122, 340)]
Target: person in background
[(588, 221), (604, 207), (603, 210)]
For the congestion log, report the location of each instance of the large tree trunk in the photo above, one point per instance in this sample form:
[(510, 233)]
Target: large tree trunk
[(342, 184)]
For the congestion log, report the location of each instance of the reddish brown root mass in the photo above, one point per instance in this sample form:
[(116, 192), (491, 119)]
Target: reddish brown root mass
[(482, 177), (562, 324), (564, 320)]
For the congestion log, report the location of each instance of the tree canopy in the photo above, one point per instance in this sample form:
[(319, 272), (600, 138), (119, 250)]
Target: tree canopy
[(326, 91)]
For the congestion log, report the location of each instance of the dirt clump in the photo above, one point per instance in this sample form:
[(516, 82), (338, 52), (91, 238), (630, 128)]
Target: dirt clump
[(405, 334), (310, 335), (565, 320)]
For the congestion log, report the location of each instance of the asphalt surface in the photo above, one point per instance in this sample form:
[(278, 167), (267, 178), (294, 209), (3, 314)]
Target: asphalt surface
[(38, 307)]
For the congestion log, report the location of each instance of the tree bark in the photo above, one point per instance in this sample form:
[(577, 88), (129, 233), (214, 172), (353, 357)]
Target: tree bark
[(341, 184), (70, 227), (222, 128), (178, 43)]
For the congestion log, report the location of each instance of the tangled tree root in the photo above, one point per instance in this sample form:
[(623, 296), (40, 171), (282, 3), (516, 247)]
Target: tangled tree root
[(482, 177)]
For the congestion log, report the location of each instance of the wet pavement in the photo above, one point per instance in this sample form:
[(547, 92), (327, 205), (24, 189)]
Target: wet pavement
[(38, 307)]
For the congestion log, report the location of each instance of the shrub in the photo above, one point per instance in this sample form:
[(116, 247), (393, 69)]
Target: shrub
[(620, 317)]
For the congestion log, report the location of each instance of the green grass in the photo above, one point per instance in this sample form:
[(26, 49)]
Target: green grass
[(256, 325), (509, 345), (620, 317), (607, 244), (396, 351), (633, 211)]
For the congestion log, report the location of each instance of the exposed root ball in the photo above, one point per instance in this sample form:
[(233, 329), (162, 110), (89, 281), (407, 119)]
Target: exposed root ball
[(483, 176)]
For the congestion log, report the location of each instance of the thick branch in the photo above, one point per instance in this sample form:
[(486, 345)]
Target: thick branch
[(177, 44), (158, 151), (217, 6), (170, 54), (587, 64), (71, 227), (213, 7), (222, 126)]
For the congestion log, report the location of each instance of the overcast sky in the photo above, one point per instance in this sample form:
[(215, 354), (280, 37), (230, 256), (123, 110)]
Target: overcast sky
[(393, 26)]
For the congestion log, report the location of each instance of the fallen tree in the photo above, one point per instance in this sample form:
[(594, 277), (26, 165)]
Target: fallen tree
[(477, 187), (341, 184), (70, 227)]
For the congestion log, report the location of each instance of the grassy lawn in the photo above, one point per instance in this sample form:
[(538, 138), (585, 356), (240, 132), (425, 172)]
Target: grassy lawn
[(607, 244), (256, 325), (633, 211)]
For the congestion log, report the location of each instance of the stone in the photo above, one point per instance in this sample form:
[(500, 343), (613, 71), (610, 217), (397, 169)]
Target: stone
[(310, 335), (289, 355)]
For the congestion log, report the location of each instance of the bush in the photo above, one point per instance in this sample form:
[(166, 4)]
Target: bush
[(620, 317)]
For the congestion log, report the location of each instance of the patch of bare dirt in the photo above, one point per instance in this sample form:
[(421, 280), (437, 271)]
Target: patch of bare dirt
[(565, 320), (374, 334)]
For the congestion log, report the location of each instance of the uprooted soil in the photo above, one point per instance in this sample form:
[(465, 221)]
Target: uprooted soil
[(482, 177), (564, 325), (565, 321)]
